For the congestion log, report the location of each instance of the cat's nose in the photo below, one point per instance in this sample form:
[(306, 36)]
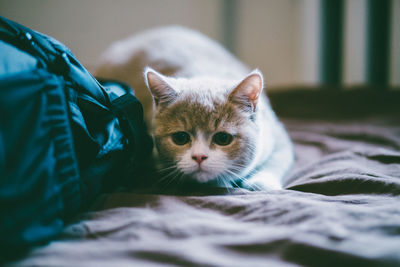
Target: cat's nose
[(199, 158)]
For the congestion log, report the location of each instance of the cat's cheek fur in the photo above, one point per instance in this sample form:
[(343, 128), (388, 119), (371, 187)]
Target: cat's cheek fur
[(244, 155), (166, 150)]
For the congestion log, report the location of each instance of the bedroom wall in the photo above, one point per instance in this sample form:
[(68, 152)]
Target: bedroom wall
[(89, 26), (278, 36)]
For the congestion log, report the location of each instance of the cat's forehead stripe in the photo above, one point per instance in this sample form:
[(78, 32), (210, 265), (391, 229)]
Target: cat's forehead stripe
[(204, 118), (194, 116)]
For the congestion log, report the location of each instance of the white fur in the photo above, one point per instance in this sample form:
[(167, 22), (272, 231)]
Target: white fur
[(172, 50), (213, 166), (207, 71)]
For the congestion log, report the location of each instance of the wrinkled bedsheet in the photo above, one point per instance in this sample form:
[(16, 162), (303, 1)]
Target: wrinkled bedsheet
[(340, 205)]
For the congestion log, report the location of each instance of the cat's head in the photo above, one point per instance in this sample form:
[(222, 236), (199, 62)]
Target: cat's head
[(205, 128)]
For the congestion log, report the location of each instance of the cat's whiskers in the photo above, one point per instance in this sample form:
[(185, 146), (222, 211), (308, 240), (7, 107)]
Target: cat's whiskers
[(228, 176), (180, 178), (168, 175), (251, 186), (222, 181), (171, 167), (174, 178), (234, 182), (238, 165), (169, 178)]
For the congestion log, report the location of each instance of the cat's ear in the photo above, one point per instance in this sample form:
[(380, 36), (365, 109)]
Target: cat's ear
[(248, 91), (162, 92)]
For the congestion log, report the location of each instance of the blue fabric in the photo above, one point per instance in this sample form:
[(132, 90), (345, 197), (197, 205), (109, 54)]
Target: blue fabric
[(61, 142), (39, 172)]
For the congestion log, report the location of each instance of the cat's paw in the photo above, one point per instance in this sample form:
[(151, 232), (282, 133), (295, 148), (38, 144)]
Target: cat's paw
[(263, 180)]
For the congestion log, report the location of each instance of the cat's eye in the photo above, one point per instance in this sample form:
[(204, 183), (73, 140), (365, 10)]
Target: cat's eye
[(222, 138), (180, 138)]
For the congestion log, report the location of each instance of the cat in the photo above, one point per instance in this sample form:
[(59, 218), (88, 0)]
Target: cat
[(211, 121)]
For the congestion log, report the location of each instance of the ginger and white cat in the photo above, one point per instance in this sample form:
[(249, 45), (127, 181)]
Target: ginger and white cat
[(211, 121)]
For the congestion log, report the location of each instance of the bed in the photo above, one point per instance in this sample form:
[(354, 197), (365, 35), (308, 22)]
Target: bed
[(340, 205)]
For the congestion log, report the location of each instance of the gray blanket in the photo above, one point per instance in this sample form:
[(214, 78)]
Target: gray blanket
[(340, 207)]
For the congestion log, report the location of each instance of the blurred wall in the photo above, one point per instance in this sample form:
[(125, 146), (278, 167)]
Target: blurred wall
[(278, 36), (87, 27)]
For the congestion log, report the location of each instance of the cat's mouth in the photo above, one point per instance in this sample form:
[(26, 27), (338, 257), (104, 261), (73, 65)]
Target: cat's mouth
[(202, 175), (199, 172)]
